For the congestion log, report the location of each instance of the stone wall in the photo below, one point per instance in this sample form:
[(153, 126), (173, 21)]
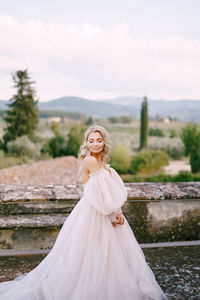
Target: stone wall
[(32, 215)]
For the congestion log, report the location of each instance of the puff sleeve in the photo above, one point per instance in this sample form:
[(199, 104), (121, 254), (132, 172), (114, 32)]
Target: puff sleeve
[(106, 193)]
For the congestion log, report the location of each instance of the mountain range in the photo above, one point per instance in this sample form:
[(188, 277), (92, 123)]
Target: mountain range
[(184, 110)]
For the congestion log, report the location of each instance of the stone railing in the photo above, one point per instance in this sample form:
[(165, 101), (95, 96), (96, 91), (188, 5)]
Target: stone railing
[(31, 216)]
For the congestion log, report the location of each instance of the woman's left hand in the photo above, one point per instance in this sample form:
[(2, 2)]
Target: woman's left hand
[(120, 219)]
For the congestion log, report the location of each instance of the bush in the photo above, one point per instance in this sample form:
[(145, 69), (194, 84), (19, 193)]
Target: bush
[(2, 153), (56, 128), (173, 147), (10, 161), (121, 158), (173, 133), (56, 146), (175, 152), (125, 119), (183, 176), (155, 132), (148, 161), (113, 119), (22, 146)]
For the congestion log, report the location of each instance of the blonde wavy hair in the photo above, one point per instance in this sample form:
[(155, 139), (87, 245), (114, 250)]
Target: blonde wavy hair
[(83, 151)]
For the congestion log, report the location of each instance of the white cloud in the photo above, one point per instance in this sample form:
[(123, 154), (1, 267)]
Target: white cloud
[(90, 61)]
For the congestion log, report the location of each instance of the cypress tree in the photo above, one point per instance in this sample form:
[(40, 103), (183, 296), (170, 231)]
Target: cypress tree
[(23, 115), (144, 124)]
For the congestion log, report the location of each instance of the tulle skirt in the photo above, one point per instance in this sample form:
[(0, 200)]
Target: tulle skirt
[(90, 260)]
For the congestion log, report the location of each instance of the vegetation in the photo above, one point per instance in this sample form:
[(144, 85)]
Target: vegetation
[(89, 121), (23, 146), (155, 132), (121, 158), (144, 124), (60, 145), (113, 119), (191, 138), (29, 135), (175, 152), (55, 147), (56, 128), (22, 117), (10, 161), (62, 114), (54, 139), (122, 119), (183, 176), (173, 133), (75, 139), (148, 161)]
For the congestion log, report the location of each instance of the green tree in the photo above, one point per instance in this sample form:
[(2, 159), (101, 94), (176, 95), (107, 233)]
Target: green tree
[(56, 146), (144, 124), (89, 121), (190, 136), (75, 138), (23, 115)]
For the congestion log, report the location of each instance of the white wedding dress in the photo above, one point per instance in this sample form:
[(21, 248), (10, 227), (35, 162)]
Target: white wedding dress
[(91, 259)]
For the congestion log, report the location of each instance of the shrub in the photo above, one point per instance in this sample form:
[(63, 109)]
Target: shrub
[(183, 176), (23, 146), (56, 128), (125, 119), (173, 147), (173, 133), (113, 119), (121, 158), (10, 161), (175, 152), (2, 153), (56, 146), (155, 132), (148, 161)]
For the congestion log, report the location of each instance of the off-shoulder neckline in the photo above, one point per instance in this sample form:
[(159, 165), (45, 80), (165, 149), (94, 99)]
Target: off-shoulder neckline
[(98, 171)]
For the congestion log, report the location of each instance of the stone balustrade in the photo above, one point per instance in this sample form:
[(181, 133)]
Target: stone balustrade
[(32, 215)]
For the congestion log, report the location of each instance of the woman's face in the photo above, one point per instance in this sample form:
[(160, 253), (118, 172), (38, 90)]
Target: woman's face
[(95, 142)]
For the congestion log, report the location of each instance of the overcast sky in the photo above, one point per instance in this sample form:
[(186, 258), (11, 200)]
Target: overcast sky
[(102, 49)]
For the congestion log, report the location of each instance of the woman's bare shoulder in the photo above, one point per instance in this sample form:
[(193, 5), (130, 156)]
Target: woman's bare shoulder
[(91, 164)]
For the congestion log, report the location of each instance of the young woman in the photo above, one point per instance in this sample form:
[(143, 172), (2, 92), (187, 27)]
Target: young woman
[(96, 255)]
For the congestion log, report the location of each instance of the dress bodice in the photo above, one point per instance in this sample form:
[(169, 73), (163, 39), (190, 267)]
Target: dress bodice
[(97, 172)]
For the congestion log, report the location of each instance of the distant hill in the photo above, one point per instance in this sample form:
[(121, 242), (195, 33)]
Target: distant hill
[(184, 110), (3, 105)]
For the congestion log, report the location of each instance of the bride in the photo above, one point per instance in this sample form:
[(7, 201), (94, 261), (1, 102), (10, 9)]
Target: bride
[(96, 255)]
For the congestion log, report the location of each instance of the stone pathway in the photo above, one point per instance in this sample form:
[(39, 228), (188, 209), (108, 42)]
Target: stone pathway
[(175, 166), (177, 269)]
